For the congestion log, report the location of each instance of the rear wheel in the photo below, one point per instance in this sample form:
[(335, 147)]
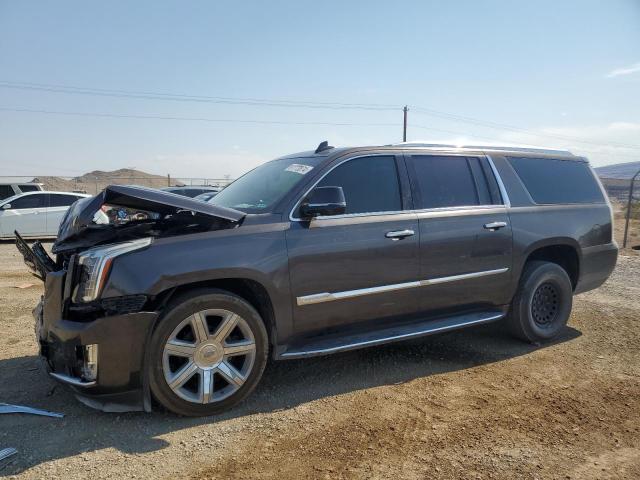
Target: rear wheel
[(542, 305), (207, 354)]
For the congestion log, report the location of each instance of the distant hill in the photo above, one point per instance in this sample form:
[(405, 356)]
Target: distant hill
[(95, 181), (615, 179), (619, 170)]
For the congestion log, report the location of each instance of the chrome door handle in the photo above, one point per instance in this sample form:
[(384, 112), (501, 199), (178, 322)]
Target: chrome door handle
[(495, 225), (398, 234)]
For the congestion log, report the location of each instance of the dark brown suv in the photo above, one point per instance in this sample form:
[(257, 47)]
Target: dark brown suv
[(311, 254)]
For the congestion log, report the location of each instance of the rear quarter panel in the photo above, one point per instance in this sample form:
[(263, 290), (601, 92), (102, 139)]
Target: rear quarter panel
[(586, 227)]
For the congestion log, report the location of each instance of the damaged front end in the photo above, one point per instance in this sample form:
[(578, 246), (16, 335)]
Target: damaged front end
[(159, 214), (93, 343)]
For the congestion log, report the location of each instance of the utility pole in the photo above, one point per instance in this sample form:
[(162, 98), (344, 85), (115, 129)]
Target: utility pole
[(404, 129)]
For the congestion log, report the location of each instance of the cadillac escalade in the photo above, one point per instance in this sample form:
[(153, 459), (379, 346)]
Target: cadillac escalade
[(181, 302)]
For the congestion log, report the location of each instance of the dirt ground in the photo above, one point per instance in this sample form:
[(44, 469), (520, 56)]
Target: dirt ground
[(468, 404)]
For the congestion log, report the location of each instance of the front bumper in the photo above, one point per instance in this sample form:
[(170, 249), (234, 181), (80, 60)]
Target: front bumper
[(120, 384)]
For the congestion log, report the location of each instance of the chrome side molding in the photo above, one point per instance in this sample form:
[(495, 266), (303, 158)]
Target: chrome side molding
[(464, 276), (330, 297)]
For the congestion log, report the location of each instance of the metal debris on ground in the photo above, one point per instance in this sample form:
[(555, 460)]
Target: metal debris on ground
[(8, 408)]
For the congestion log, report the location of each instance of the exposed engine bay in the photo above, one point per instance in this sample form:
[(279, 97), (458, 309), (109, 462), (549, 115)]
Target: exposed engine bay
[(147, 212), (122, 213)]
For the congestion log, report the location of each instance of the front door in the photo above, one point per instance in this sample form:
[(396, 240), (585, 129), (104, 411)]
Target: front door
[(360, 265), (465, 236)]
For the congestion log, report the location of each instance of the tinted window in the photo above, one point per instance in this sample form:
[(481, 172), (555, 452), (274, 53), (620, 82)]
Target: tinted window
[(260, 190), (190, 192), (61, 200), (370, 184), (557, 181), (448, 182), (29, 201), (29, 188), (6, 191)]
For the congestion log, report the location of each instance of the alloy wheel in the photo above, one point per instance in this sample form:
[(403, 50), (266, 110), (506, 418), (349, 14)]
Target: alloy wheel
[(209, 356)]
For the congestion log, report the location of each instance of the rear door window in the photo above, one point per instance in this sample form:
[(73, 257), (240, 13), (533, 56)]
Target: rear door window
[(370, 184), (6, 191), (556, 181), (450, 181), (56, 200), (29, 201)]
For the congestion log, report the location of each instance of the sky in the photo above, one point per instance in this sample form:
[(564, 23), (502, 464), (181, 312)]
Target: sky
[(164, 87)]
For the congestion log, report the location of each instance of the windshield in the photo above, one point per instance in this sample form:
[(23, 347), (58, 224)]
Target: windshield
[(260, 189)]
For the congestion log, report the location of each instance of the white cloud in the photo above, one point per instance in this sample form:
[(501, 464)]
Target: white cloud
[(618, 72)]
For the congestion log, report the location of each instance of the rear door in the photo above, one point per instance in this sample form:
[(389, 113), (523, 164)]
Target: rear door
[(351, 268), (59, 203), (465, 236), (27, 215)]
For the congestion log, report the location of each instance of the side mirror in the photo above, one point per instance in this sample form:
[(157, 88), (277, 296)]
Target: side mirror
[(324, 201), (6, 206)]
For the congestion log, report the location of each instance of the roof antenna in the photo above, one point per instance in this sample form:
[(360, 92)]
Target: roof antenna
[(323, 146)]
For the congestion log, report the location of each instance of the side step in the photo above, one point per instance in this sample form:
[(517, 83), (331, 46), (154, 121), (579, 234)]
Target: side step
[(327, 345)]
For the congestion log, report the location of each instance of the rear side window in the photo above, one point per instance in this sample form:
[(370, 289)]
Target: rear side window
[(29, 201), (441, 181), (61, 200), (6, 191), (370, 184), (552, 181), (29, 188)]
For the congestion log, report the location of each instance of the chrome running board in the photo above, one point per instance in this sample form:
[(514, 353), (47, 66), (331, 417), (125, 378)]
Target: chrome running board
[(327, 345)]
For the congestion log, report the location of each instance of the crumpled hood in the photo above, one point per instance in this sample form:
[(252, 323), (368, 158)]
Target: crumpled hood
[(78, 221)]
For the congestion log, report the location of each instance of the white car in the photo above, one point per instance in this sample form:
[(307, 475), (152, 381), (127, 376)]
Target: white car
[(35, 214)]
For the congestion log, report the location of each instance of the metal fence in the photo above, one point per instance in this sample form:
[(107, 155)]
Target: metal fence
[(633, 207), (94, 184)]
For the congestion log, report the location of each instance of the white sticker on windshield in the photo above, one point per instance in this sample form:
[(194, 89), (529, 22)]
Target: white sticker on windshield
[(298, 168)]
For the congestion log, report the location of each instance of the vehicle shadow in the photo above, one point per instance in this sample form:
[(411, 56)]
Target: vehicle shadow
[(285, 385)]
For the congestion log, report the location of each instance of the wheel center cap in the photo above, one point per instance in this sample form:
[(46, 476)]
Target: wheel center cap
[(209, 355)]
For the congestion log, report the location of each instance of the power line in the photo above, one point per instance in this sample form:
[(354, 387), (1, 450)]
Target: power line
[(502, 126), (499, 141), (251, 101), (192, 119), (261, 122), (66, 89)]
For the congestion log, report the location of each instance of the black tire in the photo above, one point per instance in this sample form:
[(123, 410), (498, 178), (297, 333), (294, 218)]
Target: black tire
[(542, 305), (184, 307)]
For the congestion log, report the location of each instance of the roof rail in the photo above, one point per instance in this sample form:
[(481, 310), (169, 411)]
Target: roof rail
[(487, 146)]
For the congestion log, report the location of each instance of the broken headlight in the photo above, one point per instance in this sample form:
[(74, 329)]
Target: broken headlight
[(94, 265)]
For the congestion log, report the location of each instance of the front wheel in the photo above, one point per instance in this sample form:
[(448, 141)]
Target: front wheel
[(542, 305), (207, 354)]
